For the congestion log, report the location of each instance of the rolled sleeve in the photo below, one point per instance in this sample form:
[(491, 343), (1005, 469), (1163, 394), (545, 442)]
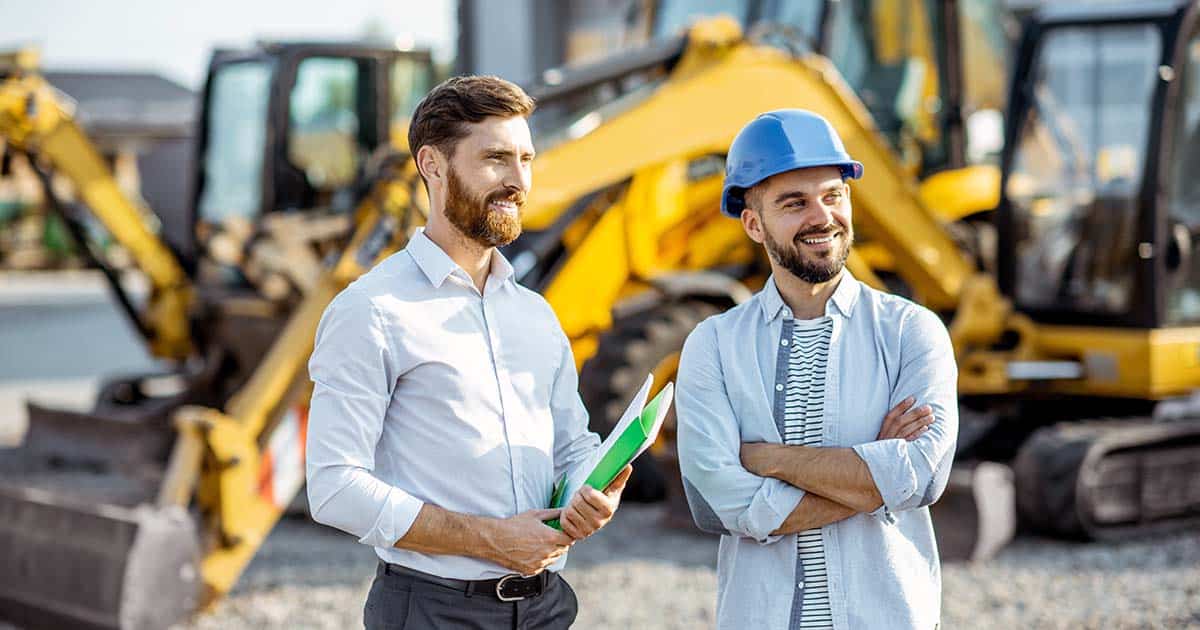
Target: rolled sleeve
[(353, 381), (574, 444), (720, 491), (913, 474)]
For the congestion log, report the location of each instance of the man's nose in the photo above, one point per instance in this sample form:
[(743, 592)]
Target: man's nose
[(822, 216), (517, 178)]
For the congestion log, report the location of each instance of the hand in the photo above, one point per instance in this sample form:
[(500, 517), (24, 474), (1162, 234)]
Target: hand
[(526, 545), (756, 457), (590, 509), (906, 421)]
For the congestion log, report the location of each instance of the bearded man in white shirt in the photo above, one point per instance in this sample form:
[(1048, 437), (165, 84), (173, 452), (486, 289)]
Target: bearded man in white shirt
[(445, 401)]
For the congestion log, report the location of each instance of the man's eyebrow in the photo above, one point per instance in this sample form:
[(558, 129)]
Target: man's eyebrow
[(800, 194), (504, 151), (789, 195)]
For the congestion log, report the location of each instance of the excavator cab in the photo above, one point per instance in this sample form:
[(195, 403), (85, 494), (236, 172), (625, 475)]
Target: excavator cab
[(106, 518), (1097, 247), (1100, 204), (290, 135)]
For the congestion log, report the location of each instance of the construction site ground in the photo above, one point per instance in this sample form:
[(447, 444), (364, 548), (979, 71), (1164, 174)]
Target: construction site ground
[(58, 333)]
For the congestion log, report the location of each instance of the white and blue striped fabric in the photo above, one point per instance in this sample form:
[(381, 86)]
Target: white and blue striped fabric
[(803, 413)]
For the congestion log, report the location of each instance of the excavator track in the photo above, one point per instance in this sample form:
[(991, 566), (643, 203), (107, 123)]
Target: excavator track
[(1108, 480)]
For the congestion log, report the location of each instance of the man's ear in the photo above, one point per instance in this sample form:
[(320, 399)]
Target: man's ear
[(752, 223), (431, 163)]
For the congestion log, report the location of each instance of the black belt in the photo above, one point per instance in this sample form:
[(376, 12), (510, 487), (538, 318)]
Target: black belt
[(509, 588)]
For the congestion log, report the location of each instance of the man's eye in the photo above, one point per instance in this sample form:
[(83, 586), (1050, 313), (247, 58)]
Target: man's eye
[(796, 204)]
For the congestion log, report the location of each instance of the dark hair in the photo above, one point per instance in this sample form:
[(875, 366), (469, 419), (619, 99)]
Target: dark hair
[(441, 117)]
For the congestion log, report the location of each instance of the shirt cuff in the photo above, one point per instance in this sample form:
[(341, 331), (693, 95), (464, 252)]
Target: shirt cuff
[(892, 472), (770, 506), (395, 518)]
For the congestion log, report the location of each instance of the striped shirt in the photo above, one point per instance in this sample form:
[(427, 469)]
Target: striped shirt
[(883, 567), (803, 412)]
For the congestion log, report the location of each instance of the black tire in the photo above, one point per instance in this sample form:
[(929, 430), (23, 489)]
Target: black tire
[(632, 348)]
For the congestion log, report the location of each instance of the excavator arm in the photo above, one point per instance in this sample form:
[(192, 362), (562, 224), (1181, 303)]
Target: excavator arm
[(38, 120)]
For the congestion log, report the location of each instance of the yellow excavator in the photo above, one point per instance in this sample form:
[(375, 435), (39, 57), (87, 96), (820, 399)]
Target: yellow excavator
[(1072, 354), (631, 251), (622, 236), (149, 505)]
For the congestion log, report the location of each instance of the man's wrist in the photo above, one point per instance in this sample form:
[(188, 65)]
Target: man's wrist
[(491, 539), (767, 462)]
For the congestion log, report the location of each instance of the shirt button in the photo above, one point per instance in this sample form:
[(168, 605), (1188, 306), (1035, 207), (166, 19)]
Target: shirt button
[(783, 342), (778, 387), (800, 585)]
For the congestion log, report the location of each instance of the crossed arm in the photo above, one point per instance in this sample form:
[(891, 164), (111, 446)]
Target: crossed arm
[(836, 481), (764, 490)]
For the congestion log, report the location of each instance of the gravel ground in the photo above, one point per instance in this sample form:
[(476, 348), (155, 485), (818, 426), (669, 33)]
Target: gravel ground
[(308, 576)]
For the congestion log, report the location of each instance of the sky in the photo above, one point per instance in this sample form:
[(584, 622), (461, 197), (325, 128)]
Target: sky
[(175, 37)]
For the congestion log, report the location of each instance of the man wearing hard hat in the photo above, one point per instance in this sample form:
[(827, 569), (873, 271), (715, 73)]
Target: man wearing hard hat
[(817, 421)]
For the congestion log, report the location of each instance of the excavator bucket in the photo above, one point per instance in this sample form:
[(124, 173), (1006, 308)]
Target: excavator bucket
[(83, 541), (977, 513), (68, 563)]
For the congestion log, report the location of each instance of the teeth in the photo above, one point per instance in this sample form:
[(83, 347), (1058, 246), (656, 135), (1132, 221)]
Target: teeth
[(505, 206), (815, 241)]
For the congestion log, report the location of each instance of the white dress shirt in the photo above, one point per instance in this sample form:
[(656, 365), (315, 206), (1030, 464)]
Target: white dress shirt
[(426, 391), (882, 568)]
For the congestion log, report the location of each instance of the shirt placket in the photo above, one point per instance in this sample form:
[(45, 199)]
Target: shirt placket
[(502, 376), (782, 368)]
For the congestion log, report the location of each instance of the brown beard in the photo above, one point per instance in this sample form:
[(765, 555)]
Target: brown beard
[(471, 215), (812, 271)]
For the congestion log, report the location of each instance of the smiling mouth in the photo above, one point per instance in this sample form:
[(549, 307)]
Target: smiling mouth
[(505, 206), (819, 240)]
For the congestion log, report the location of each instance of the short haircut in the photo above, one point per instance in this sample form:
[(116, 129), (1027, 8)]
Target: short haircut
[(752, 197), (441, 118)]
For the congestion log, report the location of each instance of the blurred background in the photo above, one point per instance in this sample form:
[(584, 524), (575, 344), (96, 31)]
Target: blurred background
[(184, 187)]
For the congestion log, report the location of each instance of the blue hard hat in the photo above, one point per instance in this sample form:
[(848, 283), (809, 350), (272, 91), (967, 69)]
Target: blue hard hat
[(777, 142)]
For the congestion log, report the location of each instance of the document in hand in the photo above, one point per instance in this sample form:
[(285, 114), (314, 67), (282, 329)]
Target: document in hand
[(635, 433)]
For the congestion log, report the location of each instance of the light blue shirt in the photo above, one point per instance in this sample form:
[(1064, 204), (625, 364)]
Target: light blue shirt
[(883, 567), (428, 391)]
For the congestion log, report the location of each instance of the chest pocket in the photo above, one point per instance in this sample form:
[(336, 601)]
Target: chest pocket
[(863, 400)]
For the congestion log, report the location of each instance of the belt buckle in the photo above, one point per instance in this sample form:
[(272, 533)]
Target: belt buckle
[(500, 587)]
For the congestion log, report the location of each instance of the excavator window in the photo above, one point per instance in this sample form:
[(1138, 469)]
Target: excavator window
[(236, 135), (325, 140), (411, 80), (1183, 200), (673, 17), (1078, 166), (886, 52)]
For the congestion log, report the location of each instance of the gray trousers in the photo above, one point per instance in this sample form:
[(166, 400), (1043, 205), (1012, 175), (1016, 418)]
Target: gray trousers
[(403, 601)]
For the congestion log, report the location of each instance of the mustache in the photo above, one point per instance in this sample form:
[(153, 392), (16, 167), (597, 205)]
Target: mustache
[(819, 230), (514, 195)]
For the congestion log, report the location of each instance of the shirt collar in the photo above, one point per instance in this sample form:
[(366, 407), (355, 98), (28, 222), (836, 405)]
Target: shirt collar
[(843, 298), (437, 265)]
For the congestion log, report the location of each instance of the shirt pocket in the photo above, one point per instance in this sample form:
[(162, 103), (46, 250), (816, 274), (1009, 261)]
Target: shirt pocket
[(754, 410), (863, 404)]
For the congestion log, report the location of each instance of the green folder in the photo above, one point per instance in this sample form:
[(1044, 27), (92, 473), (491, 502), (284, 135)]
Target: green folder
[(627, 446)]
